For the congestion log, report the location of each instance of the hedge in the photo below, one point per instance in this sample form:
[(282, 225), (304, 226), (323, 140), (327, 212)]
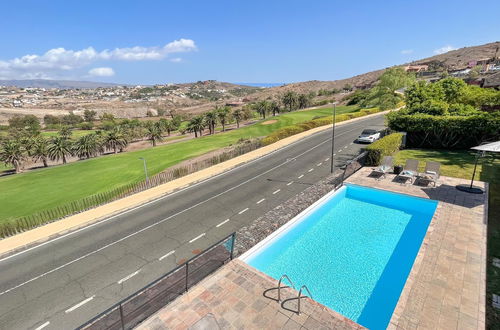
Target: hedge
[(307, 125), (386, 146), (446, 132)]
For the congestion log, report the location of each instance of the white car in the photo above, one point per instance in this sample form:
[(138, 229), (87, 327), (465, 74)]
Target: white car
[(369, 135)]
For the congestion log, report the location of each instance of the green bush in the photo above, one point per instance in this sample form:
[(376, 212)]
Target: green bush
[(386, 146), (446, 132)]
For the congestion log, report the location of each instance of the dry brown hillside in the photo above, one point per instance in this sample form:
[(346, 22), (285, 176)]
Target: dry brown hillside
[(453, 60)]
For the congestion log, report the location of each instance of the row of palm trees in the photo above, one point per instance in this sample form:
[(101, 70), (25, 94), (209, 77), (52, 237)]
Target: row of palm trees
[(18, 149), (210, 119)]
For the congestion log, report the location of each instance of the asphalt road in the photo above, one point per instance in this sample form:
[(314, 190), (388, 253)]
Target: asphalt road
[(64, 282)]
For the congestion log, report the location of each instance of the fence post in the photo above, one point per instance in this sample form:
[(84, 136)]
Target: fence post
[(187, 276), (121, 317), (233, 238)]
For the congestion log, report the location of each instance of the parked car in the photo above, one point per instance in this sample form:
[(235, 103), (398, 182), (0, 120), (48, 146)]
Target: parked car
[(369, 135)]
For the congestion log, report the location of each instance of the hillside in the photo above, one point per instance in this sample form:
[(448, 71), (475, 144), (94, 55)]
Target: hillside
[(452, 60), (60, 84)]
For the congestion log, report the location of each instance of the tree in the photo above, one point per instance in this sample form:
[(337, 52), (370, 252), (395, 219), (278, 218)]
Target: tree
[(238, 116), (421, 92), (65, 132), (262, 107), (196, 125), (107, 117), (153, 132), (224, 114), (211, 120), (71, 119), (384, 93), (274, 107), (303, 101), (39, 151), (115, 139), (89, 115), (59, 147), (166, 125), (453, 89), (27, 122), (290, 100), (51, 120), (13, 153), (87, 146), (475, 72)]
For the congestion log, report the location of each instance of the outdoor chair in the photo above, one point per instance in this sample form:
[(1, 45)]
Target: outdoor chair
[(431, 173), (385, 167), (410, 171)]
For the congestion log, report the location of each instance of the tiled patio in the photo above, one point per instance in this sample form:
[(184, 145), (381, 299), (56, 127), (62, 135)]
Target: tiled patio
[(445, 289), (447, 285), (232, 298)]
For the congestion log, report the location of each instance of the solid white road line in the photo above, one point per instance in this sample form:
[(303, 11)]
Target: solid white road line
[(166, 255), (310, 170), (128, 277), (81, 303), (319, 164), (243, 211), (160, 221), (223, 222), (277, 191), (263, 199), (43, 326), (197, 237), (289, 183), (301, 176)]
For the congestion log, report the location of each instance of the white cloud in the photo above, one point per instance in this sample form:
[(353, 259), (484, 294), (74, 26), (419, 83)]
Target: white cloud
[(58, 61), (101, 72), (176, 59), (406, 51), (444, 49)]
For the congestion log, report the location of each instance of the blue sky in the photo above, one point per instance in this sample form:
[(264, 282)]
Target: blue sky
[(236, 41)]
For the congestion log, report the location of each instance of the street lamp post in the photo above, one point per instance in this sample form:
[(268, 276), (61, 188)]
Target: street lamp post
[(333, 137), (145, 170)]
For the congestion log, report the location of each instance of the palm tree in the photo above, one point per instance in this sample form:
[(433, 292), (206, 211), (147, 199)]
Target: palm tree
[(262, 107), (303, 101), (65, 132), (223, 114), (13, 153), (115, 139), (211, 119), (274, 107), (59, 147), (238, 116), (290, 100), (153, 133), (87, 146), (167, 125), (39, 150), (196, 125)]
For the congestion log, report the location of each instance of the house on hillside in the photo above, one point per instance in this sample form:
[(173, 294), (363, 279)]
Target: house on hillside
[(492, 81), (416, 68)]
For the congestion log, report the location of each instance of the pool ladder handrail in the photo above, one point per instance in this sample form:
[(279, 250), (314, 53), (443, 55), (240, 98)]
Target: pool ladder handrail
[(284, 276), (299, 296)]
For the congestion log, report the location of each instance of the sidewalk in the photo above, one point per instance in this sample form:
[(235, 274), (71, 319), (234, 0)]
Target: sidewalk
[(52, 230)]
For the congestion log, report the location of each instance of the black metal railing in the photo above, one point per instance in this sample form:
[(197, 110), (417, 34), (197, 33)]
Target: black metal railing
[(145, 302), (353, 166)]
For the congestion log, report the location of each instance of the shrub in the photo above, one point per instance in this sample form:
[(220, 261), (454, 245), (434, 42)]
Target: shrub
[(450, 132), (430, 107), (386, 146)]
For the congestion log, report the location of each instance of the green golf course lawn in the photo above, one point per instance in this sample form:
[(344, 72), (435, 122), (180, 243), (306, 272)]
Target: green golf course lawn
[(42, 189)]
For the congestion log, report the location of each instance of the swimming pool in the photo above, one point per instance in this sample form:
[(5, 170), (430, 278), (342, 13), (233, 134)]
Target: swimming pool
[(353, 249)]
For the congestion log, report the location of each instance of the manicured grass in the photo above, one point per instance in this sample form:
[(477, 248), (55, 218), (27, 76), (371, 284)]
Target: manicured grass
[(461, 164), (27, 193), (76, 133)]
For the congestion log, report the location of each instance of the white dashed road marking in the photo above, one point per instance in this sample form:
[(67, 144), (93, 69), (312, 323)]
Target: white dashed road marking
[(327, 159), (223, 222), (301, 176), (277, 191), (263, 199), (243, 211), (289, 183), (310, 170), (197, 237), (166, 255), (43, 325), (128, 277), (319, 164), (69, 310), (340, 150)]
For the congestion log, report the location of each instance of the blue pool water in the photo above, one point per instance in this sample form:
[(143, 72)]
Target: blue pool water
[(354, 251)]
